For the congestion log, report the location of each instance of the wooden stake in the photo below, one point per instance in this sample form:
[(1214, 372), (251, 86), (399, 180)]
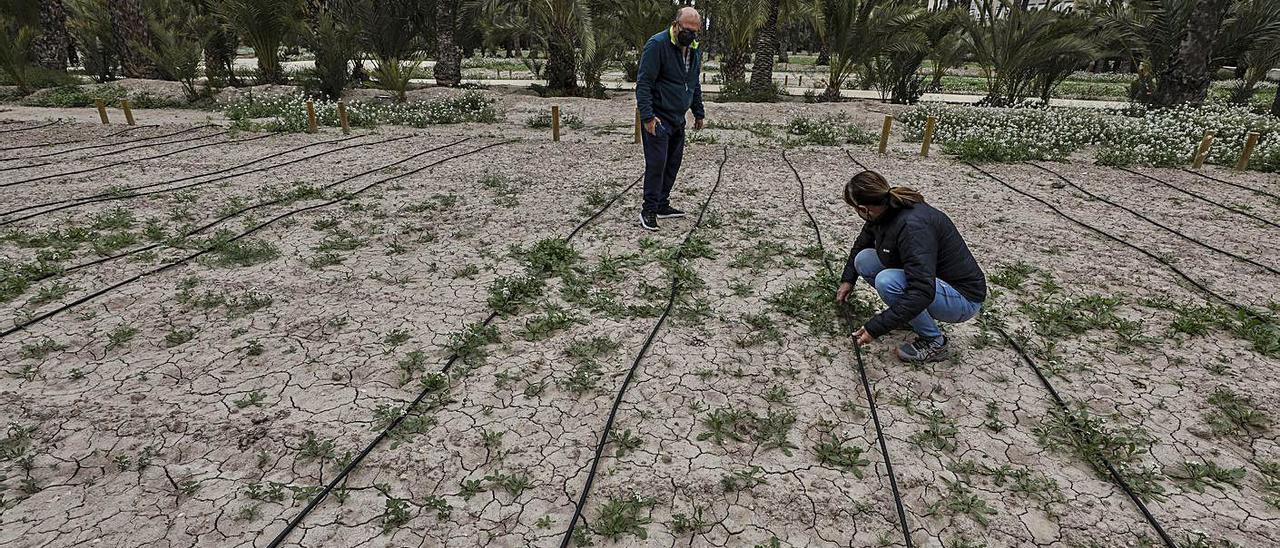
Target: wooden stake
[(929, 126), (342, 118), (639, 126), (884, 133), (1251, 142), (102, 111), (786, 80), (311, 117), (1202, 151), (128, 112), (801, 82), (555, 123)]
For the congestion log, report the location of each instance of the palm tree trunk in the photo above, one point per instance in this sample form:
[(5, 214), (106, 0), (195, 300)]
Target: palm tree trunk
[(1187, 78), (52, 46), (132, 34), (766, 47), (448, 68), (733, 67), (561, 76), (824, 54)]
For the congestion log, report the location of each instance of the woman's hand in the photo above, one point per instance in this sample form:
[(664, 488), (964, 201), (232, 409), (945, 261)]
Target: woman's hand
[(861, 337), (842, 294)]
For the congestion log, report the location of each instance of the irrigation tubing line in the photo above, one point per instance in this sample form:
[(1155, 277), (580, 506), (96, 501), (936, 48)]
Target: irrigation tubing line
[(129, 161), (1076, 427), (130, 192), (139, 140), (28, 128), (73, 141), (29, 166), (1154, 222), (1111, 471), (422, 395), (1237, 185), (635, 364), (245, 234), (847, 317), (1203, 199), (237, 213)]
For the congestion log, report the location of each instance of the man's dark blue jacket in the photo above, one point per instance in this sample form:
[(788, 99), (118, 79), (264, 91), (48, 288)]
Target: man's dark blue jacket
[(663, 87)]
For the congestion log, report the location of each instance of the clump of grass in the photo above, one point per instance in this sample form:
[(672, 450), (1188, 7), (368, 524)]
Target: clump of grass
[(586, 354), (623, 516), (39, 350), (507, 193), (769, 431), (742, 480), (812, 301), (543, 120), (1089, 437), (1198, 475), (1234, 414), (549, 256), (243, 252), (961, 500), (552, 319), (508, 293), (1012, 275), (469, 344), (836, 451)]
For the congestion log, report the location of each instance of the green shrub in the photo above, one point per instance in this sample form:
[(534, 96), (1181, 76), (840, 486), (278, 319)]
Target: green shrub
[(828, 130), (740, 92), (76, 96), (543, 120)]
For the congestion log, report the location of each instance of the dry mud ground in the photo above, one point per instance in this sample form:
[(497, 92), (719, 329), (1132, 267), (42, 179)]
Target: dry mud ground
[(220, 326)]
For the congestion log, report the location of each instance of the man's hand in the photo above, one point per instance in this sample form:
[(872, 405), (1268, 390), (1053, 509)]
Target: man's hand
[(652, 125), (698, 123), (861, 337), (842, 294)]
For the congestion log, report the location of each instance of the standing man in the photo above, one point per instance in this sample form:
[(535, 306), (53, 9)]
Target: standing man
[(666, 87)]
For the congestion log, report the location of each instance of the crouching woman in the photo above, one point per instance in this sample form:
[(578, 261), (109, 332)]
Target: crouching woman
[(916, 260)]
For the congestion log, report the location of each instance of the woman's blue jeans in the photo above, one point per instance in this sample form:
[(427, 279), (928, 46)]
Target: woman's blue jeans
[(948, 304)]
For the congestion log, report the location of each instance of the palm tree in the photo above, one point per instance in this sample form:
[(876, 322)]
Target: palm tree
[(861, 30), (53, 44), (90, 26), (736, 21), (132, 37), (1014, 45), (1187, 79), (632, 23), (561, 27), (264, 25), (387, 33), (448, 69), (766, 49)]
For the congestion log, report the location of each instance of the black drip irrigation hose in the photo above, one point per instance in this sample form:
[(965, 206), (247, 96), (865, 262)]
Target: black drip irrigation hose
[(635, 364), (237, 213), (139, 140), (245, 234), (1235, 210), (73, 141), (1053, 393), (1237, 185), (131, 192), (129, 161), (1194, 283), (28, 128), (847, 317), (453, 358), (1154, 222)]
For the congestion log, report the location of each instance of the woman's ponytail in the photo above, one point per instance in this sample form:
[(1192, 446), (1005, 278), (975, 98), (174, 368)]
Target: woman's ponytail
[(871, 189)]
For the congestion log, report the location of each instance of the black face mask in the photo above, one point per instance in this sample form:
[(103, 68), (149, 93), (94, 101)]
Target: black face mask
[(686, 37)]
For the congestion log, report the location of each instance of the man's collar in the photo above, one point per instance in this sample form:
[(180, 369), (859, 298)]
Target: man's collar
[(671, 31)]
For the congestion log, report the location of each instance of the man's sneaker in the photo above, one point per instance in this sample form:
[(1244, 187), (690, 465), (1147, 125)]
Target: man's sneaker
[(669, 213), (648, 220), (924, 350)]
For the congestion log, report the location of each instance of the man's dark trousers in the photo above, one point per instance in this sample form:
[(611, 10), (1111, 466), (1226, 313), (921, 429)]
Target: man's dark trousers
[(663, 152)]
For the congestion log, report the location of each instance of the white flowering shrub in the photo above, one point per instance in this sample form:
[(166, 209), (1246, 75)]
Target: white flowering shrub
[(1156, 137), (543, 120), (289, 112), (828, 131)]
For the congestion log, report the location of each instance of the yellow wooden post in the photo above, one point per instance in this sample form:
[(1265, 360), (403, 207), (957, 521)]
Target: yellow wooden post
[(102, 111), (311, 117), (786, 80), (884, 132), (1202, 152), (555, 123), (342, 118), (1251, 142), (128, 112), (929, 126), (639, 126), (801, 82)]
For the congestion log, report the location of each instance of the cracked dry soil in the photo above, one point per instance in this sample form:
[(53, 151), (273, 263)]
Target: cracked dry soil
[(208, 336)]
